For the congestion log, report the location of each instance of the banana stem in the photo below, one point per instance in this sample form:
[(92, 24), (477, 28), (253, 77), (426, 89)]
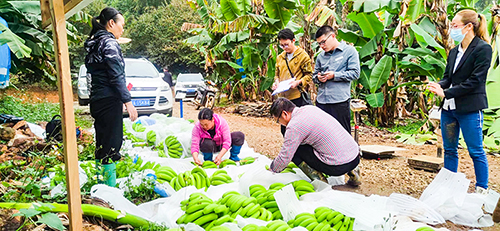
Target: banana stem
[(88, 210)]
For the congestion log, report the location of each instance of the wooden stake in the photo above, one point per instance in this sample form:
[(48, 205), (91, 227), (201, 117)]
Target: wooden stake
[(68, 117)]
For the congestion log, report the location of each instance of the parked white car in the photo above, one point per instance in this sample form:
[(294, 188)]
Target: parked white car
[(188, 83), (150, 94)]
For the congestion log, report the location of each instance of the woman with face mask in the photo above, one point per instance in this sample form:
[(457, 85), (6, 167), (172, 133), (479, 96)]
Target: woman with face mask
[(108, 90), (463, 90)]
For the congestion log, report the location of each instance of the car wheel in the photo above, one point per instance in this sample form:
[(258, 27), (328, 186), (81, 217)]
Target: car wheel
[(83, 102), (210, 101)]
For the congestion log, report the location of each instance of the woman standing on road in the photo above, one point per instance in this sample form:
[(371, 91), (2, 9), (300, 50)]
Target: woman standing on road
[(108, 91), (211, 134), (463, 89)]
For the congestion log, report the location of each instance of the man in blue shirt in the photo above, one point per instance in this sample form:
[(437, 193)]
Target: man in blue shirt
[(335, 68)]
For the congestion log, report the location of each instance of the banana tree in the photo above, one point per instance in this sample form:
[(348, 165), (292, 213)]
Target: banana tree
[(32, 46), (239, 30)]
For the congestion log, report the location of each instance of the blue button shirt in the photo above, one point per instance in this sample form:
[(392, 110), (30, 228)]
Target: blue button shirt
[(344, 62)]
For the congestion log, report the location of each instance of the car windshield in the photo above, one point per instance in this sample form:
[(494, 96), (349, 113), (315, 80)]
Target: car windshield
[(140, 69), (189, 78), (133, 69)]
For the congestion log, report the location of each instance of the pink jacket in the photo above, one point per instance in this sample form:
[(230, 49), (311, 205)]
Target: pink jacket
[(222, 134)]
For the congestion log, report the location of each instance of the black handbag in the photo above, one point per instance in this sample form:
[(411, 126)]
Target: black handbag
[(303, 94)]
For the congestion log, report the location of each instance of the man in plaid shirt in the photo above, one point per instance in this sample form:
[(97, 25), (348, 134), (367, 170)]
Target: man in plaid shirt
[(315, 142)]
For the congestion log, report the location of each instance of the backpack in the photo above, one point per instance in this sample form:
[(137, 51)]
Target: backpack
[(53, 130)]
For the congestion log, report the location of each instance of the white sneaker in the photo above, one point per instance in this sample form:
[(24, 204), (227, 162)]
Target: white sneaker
[(481, 190)]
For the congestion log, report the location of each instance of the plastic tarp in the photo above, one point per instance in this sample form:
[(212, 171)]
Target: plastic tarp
[(445, 197)]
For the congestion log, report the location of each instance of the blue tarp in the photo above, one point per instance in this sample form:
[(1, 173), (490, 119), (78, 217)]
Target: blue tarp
[(5, 61)]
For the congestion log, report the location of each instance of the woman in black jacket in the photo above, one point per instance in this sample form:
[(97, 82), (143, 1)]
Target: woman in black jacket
[(463, 89), (108, 90)]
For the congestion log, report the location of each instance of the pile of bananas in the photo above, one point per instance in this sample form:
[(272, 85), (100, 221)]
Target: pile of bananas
[(244, 206), (220, 177), (277, 225), (247, 160), (174, 147), (323, 219), (138, 127), (302, 187), (196, 177), (226, 162), (208, 164), (202, 211), (266, 197), (165, 174), (151, 138)]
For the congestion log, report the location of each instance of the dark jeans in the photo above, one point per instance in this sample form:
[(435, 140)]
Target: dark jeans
[(208, 146), (299, 102), (340, 111), (108, 116), (306, 153)]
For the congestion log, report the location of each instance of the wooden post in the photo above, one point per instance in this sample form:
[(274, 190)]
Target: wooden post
[(68, 116)]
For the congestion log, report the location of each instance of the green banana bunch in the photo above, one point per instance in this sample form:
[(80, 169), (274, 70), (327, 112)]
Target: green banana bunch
[(134, 138), (138, 127), (278, 225), (208, 164), (266, 198), (323, 218), (174, 147), (425, 228), (226, 162), (196, 177), (244, 206), (220, 177), (254, 227), (151, 138), (247, 160), (204, 212), (302, 187), (165, 174)]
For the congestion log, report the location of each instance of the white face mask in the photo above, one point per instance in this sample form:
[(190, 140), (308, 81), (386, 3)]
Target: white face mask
[(456, 34)]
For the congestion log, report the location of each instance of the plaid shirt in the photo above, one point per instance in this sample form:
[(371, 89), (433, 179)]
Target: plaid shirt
[(311, 125)]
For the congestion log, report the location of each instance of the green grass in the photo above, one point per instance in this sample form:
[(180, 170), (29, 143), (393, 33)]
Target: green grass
[(37, 112), (407, 126)]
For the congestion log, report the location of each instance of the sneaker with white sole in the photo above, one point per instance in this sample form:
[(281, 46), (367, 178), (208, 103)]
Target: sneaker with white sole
[(481, 190)]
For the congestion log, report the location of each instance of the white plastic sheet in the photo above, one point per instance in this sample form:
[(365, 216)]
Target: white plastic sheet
[(408, 206)]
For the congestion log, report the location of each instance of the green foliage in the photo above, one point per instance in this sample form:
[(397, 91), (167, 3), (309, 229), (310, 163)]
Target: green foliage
[(30, 112), (48, 218), (157, 35), (33, 48), (142, 193)]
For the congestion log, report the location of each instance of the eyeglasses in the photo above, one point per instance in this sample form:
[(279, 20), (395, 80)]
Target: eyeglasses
[(324, 40), (283, 46), (454, 26), (278, 119)]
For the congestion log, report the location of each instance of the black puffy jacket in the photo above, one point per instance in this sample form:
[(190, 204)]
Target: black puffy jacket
[(105, 67)]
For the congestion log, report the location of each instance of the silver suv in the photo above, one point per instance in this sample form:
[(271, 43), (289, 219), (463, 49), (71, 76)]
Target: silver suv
[(188, 83), (150, 94)]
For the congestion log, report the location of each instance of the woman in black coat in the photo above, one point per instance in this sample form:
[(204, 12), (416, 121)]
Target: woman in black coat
[(108, 90), (463, 89)]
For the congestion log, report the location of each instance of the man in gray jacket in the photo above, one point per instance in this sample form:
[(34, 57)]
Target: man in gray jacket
[(335, 68)]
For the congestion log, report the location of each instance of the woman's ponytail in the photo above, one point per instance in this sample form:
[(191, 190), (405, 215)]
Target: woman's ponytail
[(482, 29), (100, 22), (96, 25)]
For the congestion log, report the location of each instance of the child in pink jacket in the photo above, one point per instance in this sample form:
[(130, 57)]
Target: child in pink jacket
[(211, 134)]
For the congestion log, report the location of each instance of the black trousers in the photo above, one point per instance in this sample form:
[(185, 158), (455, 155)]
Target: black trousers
[(108, 116), (340, 111), (299, 102), (209, 146), (306, 153)]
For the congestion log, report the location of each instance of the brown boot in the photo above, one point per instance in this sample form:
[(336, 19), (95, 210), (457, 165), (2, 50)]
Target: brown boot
[(311, 173), (354, 177)]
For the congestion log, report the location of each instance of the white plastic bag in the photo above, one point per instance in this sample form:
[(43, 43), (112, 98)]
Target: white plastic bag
[(408, 206)]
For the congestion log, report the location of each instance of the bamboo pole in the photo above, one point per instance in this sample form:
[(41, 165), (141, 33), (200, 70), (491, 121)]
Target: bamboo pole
[(68, 117)]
